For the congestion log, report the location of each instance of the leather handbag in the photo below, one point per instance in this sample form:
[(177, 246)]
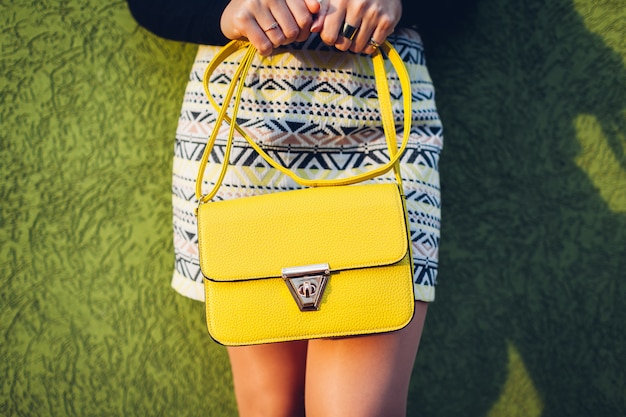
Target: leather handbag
[(329, 260)]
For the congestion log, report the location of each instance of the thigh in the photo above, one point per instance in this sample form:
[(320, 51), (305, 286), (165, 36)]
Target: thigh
[(363, 376), (269, 379)]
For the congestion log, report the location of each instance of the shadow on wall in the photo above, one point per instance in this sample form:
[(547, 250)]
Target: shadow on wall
[(530, 313)]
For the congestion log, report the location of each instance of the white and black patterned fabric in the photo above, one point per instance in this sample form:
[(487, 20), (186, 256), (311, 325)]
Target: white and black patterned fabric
[(315, 110)]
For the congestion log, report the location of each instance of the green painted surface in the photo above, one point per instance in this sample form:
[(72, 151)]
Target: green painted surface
[(530, 313)]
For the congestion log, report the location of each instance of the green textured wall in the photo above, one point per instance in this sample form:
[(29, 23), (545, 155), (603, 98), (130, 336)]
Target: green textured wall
[(531, 306)]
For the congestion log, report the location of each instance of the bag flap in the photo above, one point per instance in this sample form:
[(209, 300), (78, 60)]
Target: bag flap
[(347, 227)]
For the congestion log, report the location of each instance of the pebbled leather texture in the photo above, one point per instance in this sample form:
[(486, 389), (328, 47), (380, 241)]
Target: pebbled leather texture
[(359, 230)]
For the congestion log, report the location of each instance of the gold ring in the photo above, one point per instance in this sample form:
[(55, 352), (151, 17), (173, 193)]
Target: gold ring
[(272, 26), (374, 44), (348, 31)]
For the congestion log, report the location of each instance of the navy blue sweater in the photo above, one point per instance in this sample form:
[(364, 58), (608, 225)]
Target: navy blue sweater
[(198, 21)]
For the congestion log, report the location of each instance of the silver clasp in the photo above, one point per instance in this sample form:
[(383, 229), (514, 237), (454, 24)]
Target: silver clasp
[(306, 284)]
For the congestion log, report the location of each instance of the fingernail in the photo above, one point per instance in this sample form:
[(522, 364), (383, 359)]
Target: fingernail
[(317, 25)]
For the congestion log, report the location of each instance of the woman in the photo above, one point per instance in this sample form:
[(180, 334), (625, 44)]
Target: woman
[(359, 376)]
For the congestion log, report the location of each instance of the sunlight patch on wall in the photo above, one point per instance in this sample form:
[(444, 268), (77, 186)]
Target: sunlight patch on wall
[(600, 17), (600, 162), (519, 397)]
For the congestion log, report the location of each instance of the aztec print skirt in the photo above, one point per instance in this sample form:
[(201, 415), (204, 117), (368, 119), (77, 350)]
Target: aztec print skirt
[(315, 111)]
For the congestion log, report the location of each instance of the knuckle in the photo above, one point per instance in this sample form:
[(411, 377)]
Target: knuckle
[(386, 19), (328, 40), (242, 18), (387, 23), (291, 32), (279, 40), (360, 7), (265, 48), (305, 21)]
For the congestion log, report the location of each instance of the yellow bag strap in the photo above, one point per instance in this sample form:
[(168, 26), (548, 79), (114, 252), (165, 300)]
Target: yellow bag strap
[(384, 97)]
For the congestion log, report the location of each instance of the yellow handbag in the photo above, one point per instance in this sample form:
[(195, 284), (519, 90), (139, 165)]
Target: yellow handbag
[(330, 260)]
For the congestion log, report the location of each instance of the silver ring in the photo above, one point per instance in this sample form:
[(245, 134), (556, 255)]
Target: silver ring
[(272, 26), (348, 31), (374, 44)]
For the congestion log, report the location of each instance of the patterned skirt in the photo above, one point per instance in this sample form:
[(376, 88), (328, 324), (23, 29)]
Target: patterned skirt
[(315, 110)]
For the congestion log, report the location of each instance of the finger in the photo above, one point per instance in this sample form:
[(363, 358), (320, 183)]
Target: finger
[(332, 24), (368, 43), (347, 35), (266, 34), (303, 19), (258, 38), (318, 21), (367, 32), (314, 6), (286, 14), (374, 31), (372, 45), (260, 41)]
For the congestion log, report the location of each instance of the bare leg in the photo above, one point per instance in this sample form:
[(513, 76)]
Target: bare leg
[(269, 379), (364, 376)]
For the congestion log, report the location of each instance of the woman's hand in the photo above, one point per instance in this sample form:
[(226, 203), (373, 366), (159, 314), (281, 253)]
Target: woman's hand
[(368, 22), (267, 24)]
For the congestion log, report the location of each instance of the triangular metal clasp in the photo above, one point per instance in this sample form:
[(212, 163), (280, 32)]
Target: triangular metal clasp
[(307, 284)]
